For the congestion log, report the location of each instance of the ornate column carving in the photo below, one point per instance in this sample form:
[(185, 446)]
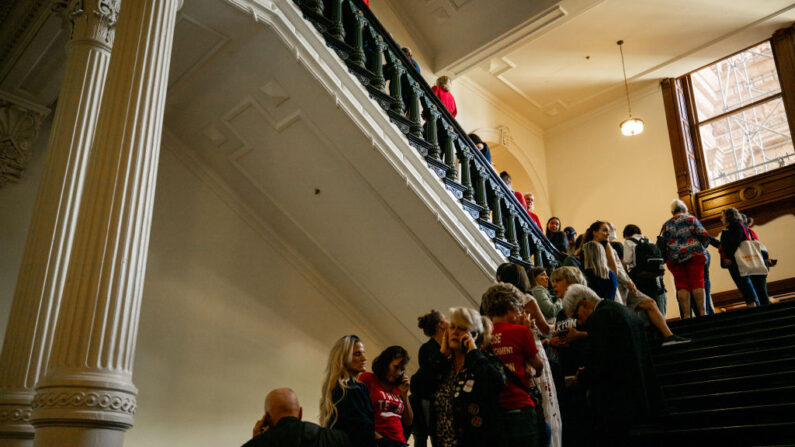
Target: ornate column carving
[(87, 396), (19, 126), (43, 270)]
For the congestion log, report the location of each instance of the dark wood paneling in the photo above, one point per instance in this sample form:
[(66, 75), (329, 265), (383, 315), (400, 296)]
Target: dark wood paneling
[(733, 298), (783, 44), (763, 197), (678, 140)]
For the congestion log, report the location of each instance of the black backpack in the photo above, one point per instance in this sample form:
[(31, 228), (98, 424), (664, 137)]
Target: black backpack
[(649, 262)]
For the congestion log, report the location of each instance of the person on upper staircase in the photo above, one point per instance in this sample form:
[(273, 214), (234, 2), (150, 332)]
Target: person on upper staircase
[(442, 90)]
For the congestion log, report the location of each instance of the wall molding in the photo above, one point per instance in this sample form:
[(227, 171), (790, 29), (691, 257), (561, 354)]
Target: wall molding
[(512, 113)]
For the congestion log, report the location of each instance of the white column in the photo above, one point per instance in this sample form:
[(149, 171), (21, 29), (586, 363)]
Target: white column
[(42, 273), (87, 397)]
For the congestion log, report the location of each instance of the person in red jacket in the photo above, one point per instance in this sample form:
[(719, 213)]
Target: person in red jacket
[(442, 90), (513, 343)]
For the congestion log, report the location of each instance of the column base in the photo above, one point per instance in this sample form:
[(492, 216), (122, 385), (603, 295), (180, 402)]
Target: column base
[(82, 404), (56, 436), (15, 416)]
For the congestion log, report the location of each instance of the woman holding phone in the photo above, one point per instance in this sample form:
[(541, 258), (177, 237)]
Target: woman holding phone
[(389, 389), (465, 409)]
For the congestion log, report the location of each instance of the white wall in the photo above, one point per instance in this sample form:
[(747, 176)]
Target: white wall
[(225, 318), (596, 173), (16, 209)]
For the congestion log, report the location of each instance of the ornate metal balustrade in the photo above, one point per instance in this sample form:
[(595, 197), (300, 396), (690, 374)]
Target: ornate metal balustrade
[(353, 32)]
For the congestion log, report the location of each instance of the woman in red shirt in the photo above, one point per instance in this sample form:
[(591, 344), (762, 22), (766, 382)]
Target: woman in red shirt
[(442, 90), (389, 387)]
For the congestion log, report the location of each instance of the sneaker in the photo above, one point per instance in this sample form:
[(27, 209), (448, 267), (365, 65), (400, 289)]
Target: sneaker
[(674, 340)]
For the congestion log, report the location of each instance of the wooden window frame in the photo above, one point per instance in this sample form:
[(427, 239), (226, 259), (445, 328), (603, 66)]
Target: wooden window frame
[(764, 196)]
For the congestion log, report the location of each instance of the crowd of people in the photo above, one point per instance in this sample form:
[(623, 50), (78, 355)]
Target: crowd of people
[(551, 358)]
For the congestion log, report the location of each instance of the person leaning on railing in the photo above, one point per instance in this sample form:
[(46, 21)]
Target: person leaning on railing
[(556, 235), (442, 90)]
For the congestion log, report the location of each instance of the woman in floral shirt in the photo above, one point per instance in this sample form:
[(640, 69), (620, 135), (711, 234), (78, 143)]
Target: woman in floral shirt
[(685, 243)]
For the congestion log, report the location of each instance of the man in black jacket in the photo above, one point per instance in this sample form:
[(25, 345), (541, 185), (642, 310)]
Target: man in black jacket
[(282, 426), (622, 387)]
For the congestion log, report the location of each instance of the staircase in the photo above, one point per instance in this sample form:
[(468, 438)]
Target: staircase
[(734, 384), (350, 29)]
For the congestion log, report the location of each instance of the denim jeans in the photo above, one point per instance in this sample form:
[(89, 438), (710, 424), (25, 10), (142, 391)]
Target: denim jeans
[(753, 287)]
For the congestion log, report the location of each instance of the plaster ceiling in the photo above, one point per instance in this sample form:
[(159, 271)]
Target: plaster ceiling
[(572, 65)]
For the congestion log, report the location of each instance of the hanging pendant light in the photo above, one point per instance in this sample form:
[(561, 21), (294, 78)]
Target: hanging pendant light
[(630, 126)]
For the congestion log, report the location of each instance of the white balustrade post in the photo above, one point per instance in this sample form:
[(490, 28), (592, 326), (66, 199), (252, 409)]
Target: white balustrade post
[(42, 273), (87, 397)]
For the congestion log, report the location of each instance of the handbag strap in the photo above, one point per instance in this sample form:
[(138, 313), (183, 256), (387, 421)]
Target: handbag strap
[(745, 230), (514, 378)]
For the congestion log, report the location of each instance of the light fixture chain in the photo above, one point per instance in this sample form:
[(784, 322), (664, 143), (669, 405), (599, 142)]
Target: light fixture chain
[(624, 69)]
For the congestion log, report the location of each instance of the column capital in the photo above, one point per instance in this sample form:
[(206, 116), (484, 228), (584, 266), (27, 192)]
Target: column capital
[(20, 121), (92, 21)]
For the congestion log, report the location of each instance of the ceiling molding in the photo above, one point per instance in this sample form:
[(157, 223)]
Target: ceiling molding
[(206, 53), (501, 106), (20, 21), (592, 113), (508, 40)]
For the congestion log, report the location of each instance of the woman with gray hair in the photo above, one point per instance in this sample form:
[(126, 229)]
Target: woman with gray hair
[(575, 294), (464, 409), (685, 243)]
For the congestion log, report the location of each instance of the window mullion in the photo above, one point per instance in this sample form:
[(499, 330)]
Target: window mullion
[(695, 135)]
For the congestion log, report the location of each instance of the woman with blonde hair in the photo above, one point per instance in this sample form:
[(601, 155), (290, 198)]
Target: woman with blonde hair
[(442, 90), (596, 269), (468, 380), (600, 278), (345, 402)]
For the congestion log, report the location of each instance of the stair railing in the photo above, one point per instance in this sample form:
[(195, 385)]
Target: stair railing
[(377, 61)]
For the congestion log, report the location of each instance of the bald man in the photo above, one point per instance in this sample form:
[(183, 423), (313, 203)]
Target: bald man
[(282, 426)]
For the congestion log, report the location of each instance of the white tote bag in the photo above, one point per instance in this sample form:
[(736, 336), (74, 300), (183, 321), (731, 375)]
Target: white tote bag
[(749, 257)]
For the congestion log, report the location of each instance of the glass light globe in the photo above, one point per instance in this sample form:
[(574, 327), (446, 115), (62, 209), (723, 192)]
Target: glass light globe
[(632, 126)]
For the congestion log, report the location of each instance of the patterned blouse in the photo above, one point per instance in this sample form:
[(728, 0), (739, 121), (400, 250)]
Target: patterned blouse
[(684, 236), (443, 405)]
